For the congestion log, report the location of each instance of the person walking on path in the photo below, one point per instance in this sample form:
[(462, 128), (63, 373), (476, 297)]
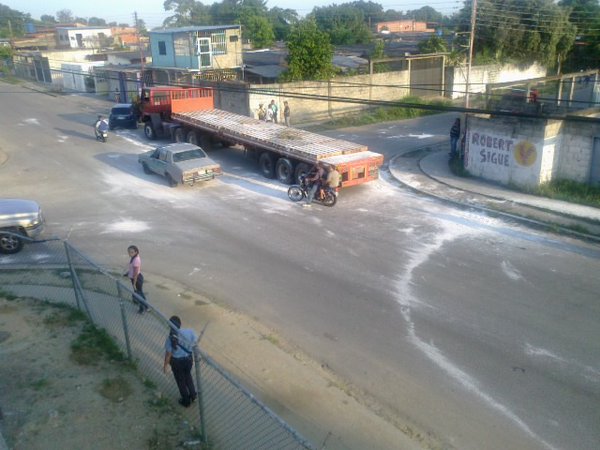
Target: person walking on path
[(454, 136), (179, 347), (286, 113), (275, 110), (135, 275)]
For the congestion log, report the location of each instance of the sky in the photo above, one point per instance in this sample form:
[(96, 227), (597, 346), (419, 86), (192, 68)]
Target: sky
[(153, 12)]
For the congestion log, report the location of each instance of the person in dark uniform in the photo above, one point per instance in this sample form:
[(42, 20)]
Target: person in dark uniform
[(179, 355)]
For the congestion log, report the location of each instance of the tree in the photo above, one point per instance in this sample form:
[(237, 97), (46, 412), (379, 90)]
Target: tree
[(310, 53), (96, 22), (434, 44), (65, 16), (536, 30), (345, 24), (585, 16), (282, 20), (259, 30), (425, 14), (187, 12), (12, 22), (48, 19)]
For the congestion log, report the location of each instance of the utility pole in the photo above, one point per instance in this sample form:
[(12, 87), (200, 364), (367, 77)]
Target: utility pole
[(471, 43), (137, 27)]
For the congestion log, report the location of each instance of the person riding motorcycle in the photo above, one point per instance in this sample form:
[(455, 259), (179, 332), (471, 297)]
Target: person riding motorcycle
[(314, 180), (101, 126)]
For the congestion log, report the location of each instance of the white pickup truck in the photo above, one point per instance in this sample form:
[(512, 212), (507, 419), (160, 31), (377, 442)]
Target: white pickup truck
[(20, 221)]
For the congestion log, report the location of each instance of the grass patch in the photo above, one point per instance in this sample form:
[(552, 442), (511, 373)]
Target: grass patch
[(161, 404), (272, 339), (40, 384), (569, 191), (66, 316), (384, 114), (115, 389), (94, 345)]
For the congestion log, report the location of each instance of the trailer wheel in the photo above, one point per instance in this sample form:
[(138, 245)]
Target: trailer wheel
[(284, 170), (179, 135), (266, 164), (149, 131), (205, 142), (192, 137), (302, 169)]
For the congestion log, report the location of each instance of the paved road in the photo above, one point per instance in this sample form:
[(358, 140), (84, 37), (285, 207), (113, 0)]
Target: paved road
[(482, 333)]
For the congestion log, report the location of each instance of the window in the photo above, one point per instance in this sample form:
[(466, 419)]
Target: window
[(162, 48), (218, 43)]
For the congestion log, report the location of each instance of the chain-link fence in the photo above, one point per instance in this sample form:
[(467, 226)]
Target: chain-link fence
[(226, 414)]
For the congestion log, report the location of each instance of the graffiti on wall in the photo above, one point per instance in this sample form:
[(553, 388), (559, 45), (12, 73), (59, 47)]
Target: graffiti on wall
[(488, 149)]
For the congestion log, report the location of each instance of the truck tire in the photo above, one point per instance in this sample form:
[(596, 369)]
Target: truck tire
[(266, 164), (301, 169), (179, 135), (10, 244), (284, 170), (149, 131), (192, 137)]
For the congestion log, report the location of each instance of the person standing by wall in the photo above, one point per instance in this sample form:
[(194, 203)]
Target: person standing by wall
[(179, 347), (269, 113), (135, 275), (275, 110), (454, 136), (262, 114), (286, 113)]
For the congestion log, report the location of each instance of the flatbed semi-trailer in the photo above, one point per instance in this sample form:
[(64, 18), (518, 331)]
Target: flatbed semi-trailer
[(188, 115)]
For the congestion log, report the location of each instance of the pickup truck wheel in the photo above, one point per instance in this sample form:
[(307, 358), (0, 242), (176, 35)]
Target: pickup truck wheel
[(192, 138), (146, 168), (179, 135), (149, 131), (284, 169), (266, 164), (9, 243), (302, 169), (171, 180)]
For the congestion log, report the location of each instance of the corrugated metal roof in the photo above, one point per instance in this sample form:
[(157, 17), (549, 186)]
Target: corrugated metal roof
[(192, 29)]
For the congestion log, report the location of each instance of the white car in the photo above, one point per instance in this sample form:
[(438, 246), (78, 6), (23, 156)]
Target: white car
[(20, 221)]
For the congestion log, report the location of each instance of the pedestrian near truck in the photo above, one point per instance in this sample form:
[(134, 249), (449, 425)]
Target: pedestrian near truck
[(286, 113), (179, 350), (454, 136), (134, 273)]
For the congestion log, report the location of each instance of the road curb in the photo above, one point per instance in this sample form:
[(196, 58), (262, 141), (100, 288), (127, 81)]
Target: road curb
[(537, 224)]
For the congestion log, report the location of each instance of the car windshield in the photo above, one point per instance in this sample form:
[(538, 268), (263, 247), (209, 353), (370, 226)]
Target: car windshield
[(121, 111), (187, 155)]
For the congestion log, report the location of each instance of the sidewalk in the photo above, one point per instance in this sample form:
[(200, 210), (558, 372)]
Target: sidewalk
[(426, 171)]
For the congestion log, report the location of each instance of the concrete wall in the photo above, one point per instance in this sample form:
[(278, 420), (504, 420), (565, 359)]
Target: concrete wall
[(456, 77), (507, 150), (378, 86), (528, 152), (576, 151)]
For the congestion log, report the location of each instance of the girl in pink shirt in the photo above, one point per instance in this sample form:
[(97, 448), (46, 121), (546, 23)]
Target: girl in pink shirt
[(135, 275)]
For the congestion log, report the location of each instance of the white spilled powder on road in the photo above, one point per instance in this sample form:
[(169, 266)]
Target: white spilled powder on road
[(127, 226), (31, 121), (589, 373), (410, 135), (510, 271), (451, 230)]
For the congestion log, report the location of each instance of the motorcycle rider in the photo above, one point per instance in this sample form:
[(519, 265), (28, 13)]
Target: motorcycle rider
[(100, 126), (314, 179)]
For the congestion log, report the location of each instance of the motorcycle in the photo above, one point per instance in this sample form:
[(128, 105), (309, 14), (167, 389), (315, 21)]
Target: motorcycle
[(101, 130), (297, 192)]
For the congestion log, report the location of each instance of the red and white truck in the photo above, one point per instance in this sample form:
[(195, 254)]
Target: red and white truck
[(285, 153)]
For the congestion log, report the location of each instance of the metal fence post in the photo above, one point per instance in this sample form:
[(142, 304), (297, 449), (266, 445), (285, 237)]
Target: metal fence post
[(197, 359), (72, 271), (124, 320)]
